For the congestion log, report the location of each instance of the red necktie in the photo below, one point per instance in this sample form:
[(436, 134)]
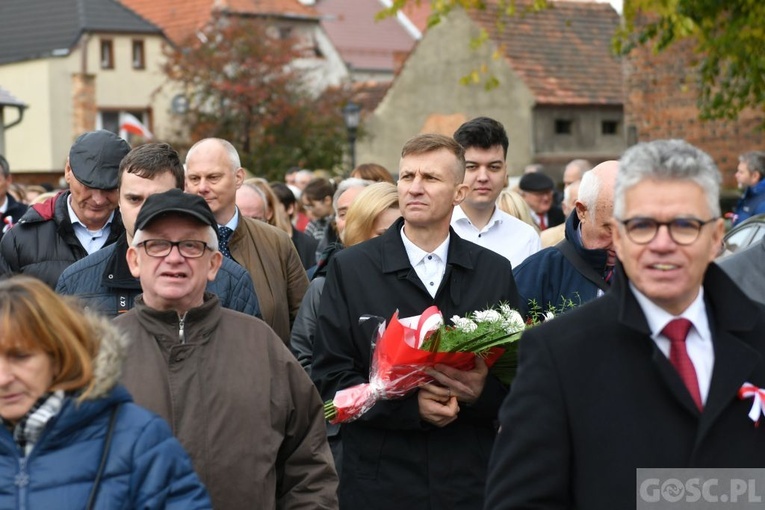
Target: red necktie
[(542, 224), (677, 331)]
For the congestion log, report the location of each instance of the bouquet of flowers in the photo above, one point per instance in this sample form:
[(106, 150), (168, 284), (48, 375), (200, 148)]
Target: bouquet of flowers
[(408, 346)]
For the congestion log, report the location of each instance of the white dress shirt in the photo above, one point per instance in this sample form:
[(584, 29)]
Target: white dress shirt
[(430, 267), (504, 234), (698, 343), (91, 240)]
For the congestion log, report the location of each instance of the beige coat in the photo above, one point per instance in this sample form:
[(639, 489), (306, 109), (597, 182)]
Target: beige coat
[(268, 254), (238, 401)]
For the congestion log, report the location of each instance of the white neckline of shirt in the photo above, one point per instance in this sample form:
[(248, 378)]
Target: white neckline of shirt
[(234, 221), (417, 254), (75, 220), (458, 215)]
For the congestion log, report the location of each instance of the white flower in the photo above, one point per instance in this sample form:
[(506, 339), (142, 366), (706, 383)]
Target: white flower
[(487, 316), (464, 324), (549, 315), (513, 320)]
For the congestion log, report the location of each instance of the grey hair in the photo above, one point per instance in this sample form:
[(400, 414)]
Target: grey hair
[(233, 155), (755, 162), (345, 185), (212, 238), (260, 193), (589, 189), (667, 160)]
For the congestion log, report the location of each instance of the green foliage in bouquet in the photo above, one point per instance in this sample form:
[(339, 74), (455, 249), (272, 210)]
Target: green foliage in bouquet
[(482, 330)]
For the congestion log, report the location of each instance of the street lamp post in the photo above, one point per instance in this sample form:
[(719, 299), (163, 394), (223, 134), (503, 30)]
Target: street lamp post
[(352, 116)]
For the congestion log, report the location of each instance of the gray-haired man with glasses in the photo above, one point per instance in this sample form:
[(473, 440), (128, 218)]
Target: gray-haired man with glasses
[(239, 402), (649, 375)]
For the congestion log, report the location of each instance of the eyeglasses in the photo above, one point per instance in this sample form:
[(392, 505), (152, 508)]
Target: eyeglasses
[(189, 248), (683, 231)]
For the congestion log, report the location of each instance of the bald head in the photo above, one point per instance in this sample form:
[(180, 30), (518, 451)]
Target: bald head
[(595, 207)]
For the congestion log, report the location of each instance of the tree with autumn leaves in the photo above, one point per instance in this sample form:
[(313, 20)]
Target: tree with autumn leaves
[(246, 82)]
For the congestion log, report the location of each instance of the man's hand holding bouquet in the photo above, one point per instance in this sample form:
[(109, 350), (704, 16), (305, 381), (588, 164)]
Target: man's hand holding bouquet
[(448, 363)]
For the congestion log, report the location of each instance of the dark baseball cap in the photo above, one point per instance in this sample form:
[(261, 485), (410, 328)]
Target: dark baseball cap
[(95, 158), (536, 181), (175, 201)]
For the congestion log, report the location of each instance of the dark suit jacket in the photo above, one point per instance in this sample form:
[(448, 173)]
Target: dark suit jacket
[(595, 398), (13, 212), (391, 458)]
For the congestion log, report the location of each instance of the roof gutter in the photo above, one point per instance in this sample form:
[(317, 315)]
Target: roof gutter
[(21, 108)]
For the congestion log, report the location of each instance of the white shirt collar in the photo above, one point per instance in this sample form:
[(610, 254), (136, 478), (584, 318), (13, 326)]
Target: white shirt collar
[(417, 254), (234, 221), (657, 317), (75, 220), (459, 216)]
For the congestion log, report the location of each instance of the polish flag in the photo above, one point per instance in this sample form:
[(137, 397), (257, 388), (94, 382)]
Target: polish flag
[(130, 124)]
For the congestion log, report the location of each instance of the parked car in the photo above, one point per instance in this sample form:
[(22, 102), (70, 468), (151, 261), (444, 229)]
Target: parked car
[(743, 235)]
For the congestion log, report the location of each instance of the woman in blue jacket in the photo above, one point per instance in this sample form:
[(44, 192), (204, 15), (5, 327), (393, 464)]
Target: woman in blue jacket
[(71, 436)]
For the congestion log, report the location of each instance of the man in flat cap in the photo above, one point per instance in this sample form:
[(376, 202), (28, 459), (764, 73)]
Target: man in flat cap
[(537, 191), (60, 231)]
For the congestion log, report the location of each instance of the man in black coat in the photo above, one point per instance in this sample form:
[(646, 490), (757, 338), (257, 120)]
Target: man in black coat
[(56, 233), (428, 450), (610, 387), (11, 210)]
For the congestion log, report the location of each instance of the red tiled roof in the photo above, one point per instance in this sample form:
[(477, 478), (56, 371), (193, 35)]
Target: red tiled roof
[(418, 14), (278, 7), (368, 94), (181, 18), (563, 53), (361, 41)]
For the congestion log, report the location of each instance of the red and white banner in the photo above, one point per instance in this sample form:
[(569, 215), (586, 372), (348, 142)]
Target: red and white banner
[(130, 124)]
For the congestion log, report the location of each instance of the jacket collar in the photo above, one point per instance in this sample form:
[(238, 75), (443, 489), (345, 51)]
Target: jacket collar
[(117, 272), (199, 323), (394, 257), (595, 258), (732, 317)]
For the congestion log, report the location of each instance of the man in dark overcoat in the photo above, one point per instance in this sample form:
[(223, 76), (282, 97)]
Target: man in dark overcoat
[(428, 450), (648, 376)]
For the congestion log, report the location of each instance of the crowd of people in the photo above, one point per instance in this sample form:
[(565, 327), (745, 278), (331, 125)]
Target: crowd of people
[(171, 328)]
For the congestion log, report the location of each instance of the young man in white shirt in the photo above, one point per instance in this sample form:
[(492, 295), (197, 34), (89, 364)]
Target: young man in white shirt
[(477, 218)]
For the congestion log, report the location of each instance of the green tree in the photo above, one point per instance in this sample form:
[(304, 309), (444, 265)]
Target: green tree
[(243, 84), (728, 37)]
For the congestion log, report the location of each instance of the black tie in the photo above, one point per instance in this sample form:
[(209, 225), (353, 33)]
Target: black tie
[(224, 234)]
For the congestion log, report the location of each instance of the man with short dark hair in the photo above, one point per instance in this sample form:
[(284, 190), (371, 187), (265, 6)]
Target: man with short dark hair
[(103, 280), (536, 189), (11, 210), (235, 397), (426, 451), (60, 231), (651, 375), (477, 218), (749, 175)]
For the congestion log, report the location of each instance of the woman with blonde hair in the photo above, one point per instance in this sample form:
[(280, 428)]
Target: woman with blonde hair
[(373, 210), (513, 204), (371, 213), (71, 436)]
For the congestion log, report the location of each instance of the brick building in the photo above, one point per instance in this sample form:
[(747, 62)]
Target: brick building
[(660, 102)]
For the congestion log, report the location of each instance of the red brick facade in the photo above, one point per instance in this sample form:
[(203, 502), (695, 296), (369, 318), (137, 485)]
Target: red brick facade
[(660, 102)]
